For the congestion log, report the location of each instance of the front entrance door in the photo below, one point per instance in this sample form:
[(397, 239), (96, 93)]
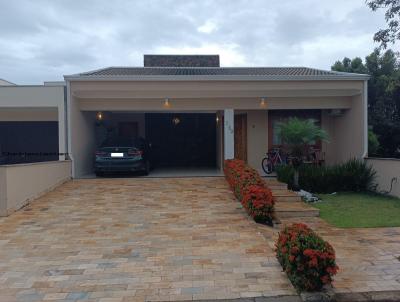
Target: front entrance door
[(241, 136)]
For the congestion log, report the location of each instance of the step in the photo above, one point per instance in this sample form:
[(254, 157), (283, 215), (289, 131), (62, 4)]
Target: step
[(273, 184), (294, 210), (286, 197), (277, 187)]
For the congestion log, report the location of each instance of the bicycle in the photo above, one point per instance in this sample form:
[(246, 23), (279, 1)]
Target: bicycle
[(272, 159)]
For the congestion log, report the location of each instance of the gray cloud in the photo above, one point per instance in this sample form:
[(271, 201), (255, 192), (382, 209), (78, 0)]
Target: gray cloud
[(45, 39)]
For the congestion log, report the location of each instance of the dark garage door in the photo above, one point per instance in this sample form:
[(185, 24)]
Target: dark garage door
[(23, 142), (182, 139)]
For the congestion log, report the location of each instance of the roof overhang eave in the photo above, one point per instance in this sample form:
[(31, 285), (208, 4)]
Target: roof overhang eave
[(352, 77)]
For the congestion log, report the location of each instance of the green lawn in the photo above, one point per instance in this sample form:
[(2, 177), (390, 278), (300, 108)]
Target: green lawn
[(352, 210)]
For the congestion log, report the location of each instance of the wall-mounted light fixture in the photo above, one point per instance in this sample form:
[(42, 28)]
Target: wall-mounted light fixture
[(217, 119), (167, 104), (176, 121), (99, 116), (263, 102)]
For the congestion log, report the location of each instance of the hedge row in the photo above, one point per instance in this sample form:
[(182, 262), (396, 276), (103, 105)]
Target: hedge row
[(250, 189), (307, 259), (353, 175)]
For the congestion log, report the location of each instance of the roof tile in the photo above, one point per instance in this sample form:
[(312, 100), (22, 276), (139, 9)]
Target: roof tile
[(181, 71), (291, 73)]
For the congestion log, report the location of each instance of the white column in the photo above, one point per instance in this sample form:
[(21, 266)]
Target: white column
[(229, 132)]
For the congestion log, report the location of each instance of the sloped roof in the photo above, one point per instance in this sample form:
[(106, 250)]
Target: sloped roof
[(6, 83), (267, 73)]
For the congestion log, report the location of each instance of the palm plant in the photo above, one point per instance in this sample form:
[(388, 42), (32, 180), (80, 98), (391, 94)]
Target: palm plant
[(297, 135)]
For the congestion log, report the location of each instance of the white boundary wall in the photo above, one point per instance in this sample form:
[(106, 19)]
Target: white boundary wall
[(22, 183), (386, 169)]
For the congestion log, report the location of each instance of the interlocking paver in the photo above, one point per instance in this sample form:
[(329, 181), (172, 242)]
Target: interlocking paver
[(137, 240)]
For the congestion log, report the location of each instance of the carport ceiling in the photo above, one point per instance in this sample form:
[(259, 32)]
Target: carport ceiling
[(200, 94)]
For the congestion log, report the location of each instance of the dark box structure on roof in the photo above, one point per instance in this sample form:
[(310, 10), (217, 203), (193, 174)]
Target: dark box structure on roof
[(181, 60)]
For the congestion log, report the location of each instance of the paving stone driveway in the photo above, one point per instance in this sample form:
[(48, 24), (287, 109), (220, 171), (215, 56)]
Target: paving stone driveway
[(369, 258), (134, 240)]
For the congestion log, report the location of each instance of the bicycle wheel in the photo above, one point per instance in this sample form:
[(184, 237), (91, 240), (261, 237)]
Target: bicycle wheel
[(266, 165)]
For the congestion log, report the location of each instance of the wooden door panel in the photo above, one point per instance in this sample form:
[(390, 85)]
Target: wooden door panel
[(241, 136)]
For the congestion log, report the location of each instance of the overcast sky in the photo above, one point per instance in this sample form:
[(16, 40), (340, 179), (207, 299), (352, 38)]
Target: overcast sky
[(42, 40)]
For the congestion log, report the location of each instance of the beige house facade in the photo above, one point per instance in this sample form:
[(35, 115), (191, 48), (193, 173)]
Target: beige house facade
[(222, 112), (245, 103), (195, 114)]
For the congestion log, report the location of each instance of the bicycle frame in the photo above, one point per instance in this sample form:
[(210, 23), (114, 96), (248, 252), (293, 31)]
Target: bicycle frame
[(275, 157)]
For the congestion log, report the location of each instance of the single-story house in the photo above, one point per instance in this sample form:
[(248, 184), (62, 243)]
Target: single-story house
[(194, 112)]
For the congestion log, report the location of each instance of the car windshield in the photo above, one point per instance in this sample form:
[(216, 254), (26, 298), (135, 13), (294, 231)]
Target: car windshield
[(122, 142)]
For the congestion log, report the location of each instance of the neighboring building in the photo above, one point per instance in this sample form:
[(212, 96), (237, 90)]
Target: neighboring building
[(6, 83), (196, 113), (32, 123)]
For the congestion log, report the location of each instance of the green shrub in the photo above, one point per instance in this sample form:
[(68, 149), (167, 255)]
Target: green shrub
[(373, 143), (353, 175), (356, 176), (285, 173)]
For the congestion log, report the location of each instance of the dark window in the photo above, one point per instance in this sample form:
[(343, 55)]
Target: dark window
[(24, 142), (277, 116)]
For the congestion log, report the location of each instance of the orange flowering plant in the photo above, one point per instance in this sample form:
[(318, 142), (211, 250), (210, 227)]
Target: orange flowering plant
[(307, 259), (258, 202), (250, 189)]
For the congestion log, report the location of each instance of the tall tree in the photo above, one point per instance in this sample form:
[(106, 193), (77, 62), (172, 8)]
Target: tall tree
[(347, 65), (392, 16), (383, 96)]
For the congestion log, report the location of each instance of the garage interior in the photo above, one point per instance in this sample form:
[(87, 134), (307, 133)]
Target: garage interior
[(182, 143)]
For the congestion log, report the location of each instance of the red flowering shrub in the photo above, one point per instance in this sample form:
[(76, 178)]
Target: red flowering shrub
[(307, 259), (250, 189), (258, 202)]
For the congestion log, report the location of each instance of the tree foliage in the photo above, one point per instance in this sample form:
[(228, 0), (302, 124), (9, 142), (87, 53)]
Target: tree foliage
[(392, 16), (298, 134), (373, 143), (347, 65), (383, 96)]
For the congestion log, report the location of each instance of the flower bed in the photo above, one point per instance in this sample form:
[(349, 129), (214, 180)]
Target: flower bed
[(307, 259), (250, 189)]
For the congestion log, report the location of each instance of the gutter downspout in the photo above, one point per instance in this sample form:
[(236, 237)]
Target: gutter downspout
[(66, 157), (365, 100), (68, 110)]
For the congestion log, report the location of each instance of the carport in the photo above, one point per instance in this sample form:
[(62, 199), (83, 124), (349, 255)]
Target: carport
[(185, 139), (180, 142), (183, 121)]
